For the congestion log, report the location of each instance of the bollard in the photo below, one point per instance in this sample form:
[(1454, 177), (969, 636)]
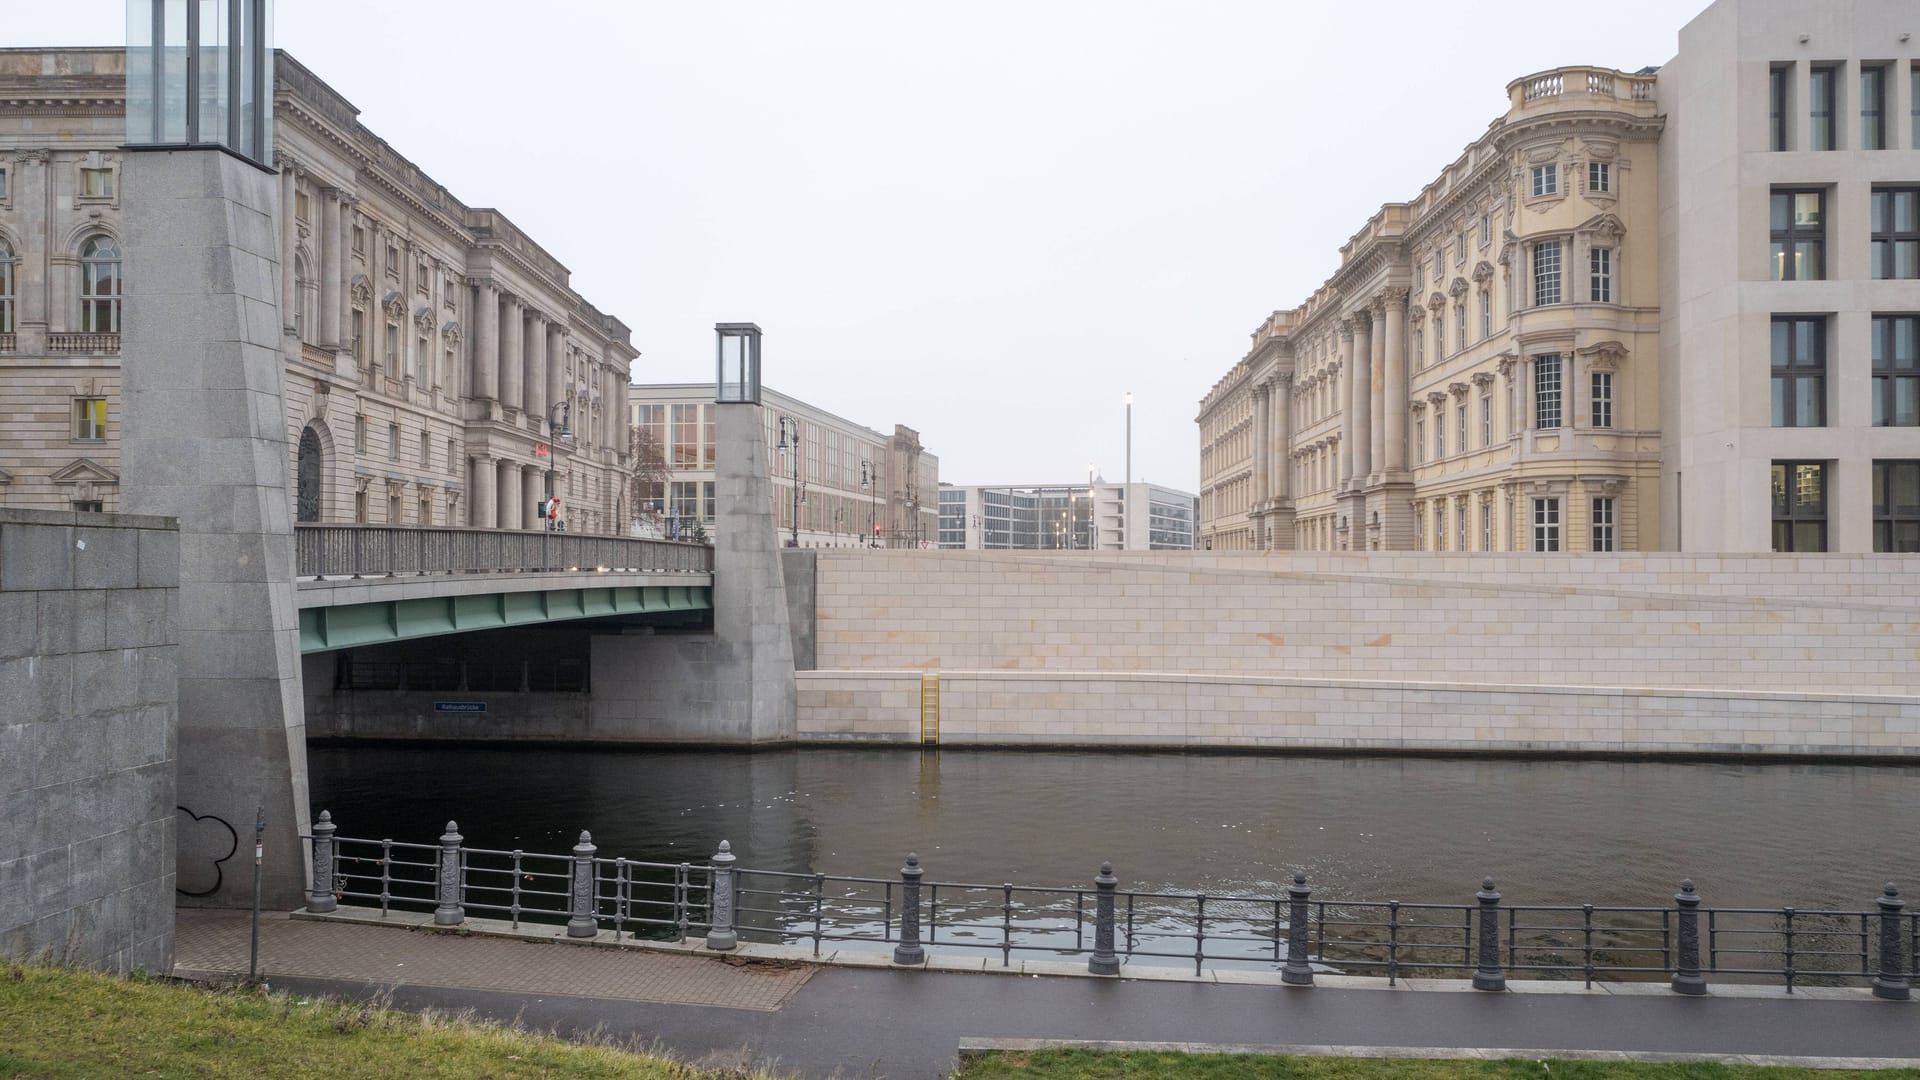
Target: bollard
[(582, 924), (1686, 977), (909, 950), (720, 932), (1297, 971), (1104, 961), (1487, 975), (320, 898), (1891, 983), (449, 912)]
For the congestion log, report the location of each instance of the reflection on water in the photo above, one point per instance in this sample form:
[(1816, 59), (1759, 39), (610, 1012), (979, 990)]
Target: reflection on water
[(1415, 830)]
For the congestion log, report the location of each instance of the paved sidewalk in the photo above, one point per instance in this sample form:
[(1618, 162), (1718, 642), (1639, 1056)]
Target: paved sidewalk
[(908, 1024)]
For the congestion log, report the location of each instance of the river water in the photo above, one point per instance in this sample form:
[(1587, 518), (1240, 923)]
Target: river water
[(1409, 829)]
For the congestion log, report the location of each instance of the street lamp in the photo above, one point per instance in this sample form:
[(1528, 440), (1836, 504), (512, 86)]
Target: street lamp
[(790, 446), (869, 483), (1090, 526), (1129, 438)]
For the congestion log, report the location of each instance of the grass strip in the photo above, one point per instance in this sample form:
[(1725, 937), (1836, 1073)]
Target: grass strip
[(59, 1023), (1071, 1063)]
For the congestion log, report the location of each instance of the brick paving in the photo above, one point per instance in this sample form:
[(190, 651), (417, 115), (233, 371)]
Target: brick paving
[(216, 943)]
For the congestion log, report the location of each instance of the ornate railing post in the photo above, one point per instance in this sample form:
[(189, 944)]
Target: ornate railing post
[(1104, 961), (720, 932), (1891, 983), (1297, 971), (1487, 975), (1686, 977), (320, 897), (909, 950), (449, 912), (582, 924)]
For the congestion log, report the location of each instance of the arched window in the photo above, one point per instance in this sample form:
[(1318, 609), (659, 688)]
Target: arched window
[(6, 288), (306, 297), (308, 476), (100, 286)]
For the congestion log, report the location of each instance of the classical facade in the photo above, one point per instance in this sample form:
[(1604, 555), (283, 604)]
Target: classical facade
[(1663, 309), (855, 486), (1095, 516), (440, 368)]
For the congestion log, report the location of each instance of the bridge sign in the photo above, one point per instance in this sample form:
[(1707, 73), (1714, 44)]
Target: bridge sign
[(460, 706)]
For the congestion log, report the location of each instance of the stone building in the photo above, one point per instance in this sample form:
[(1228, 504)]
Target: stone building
[(1558, 345), (1094, 516), (440, 368), (857, 486)]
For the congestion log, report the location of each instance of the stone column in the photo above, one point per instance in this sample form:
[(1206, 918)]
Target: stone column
[(481, 513), (506, 477), (512, 371), (556, 363), (1282, 452), (537, 372), (289, 244), (1377, 400), (485, 383), (327, 238), (342, 239), (1395, 377), (1362, 396), (1262, 444), (1343, 465)]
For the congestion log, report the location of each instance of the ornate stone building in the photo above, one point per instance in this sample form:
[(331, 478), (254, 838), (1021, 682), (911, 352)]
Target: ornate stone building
[(440, 368), (1481, 372)]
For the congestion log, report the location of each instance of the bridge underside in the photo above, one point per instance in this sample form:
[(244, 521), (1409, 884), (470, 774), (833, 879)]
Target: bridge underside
[(373, 622)]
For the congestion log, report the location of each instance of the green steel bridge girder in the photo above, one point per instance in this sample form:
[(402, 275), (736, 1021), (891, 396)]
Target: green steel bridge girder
[(342, 626)]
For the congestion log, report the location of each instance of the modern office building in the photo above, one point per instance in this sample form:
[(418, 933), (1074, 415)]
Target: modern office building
[(848, 485), (440, 369), (1669, 308), (1086, 517)]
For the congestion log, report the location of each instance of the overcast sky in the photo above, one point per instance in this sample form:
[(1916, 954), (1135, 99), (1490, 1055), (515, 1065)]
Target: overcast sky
[(986, 221)]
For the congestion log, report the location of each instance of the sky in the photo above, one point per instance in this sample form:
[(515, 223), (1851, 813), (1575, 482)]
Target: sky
[(986, 221)]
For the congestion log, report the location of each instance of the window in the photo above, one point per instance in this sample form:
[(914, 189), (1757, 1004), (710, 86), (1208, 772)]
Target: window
[(1896, 506), (1513, 408), (1896, 370), (302, 206), (1602, 399), (360, 433), (100, 286), (1439, 431), (3, 185), (1546, 524), (425, 510), (1486, 229), (359, 332), (1896, 233), (1602, 524), (88, 506), (422, 281), (1486, 419), (709, 447), (1460, 326), (1546, 273), (1418, 352), (1419, 437), (426, 449), (1779, 80), (1799, 371), (1600, 275), (1873, 108), (96, 183), (1439, 336), (6, 289), (1460, 426), (1486, 527), (392, 352), (360, 507), (1820, 89), (1546, 391), (686, 436), (1460, 525), (393, 260), (89, 419), (1599, 177), (1460, 250), (359, 239), (393, 442), (1797, 220), (1546, 180), (453, 457), (706, 500), (1486, 314), (1799, 506)]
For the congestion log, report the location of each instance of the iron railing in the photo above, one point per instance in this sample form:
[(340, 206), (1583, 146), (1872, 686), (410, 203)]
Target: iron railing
[(1686, 943), (322, 550)]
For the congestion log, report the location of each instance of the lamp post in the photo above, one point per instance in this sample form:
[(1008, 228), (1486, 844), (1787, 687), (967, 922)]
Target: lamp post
[(868, 483), (559, 428), (1129, 475), (1091, 535), (790, 446)]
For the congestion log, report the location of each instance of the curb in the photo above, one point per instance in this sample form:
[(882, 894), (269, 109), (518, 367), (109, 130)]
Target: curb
[(973, 1047)]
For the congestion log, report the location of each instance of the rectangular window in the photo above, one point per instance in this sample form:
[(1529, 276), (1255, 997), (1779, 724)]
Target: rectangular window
[(426, 449), (686, 436), (1873, 107), (1896, 233), (1439, 336), (1546, 273), (359, 240), (1799, 371), (1602, 524), (393, 260), (1797, 221), (1460, 525), (1799, 506), (1779, 86), (1486, 419), (1600, 177), (359, 329), (88, 506), (421, 281), (360, 507), (709, 450), (96, 183), (6, 290), (1896, 506), (393, 442), (1546, 180), (1486, 314), (1546, 391), (1486, 527), (89, 419), (1460, 426), (1460, 250), (1439, 432), (453, 456), (360, 434), (1513, 406), (706, 500), (393, 347), (1896, 370), (1486, 230), (1439, 265), (1602, 399), (1419, 438), (1600, 275), (1546, 524), (1820, 90)]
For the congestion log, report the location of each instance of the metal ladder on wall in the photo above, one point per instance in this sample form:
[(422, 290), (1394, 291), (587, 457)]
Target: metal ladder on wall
[(929, 708)]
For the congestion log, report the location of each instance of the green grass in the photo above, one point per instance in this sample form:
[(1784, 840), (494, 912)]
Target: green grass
[(1072, 1064), (57, 1023)]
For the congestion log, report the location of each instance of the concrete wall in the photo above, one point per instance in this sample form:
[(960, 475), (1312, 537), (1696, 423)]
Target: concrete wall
[(797, 569), (87, 608), (1659, 652)]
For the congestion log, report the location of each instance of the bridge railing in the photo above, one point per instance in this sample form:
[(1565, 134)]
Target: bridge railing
[(1288, 929), (325, 550)]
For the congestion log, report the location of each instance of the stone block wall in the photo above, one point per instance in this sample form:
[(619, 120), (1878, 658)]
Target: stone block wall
[(87, 734)]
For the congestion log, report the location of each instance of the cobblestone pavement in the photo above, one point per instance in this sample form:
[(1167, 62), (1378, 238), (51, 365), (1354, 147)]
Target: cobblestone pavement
[(216, 942)]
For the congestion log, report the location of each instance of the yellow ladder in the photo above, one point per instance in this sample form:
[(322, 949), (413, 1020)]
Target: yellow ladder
[(929, 708)]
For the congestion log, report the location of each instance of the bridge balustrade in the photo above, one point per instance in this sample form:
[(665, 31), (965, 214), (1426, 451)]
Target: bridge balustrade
[(322, 550)]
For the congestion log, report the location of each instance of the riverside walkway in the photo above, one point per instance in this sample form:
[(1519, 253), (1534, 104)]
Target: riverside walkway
[(828, 1020)]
